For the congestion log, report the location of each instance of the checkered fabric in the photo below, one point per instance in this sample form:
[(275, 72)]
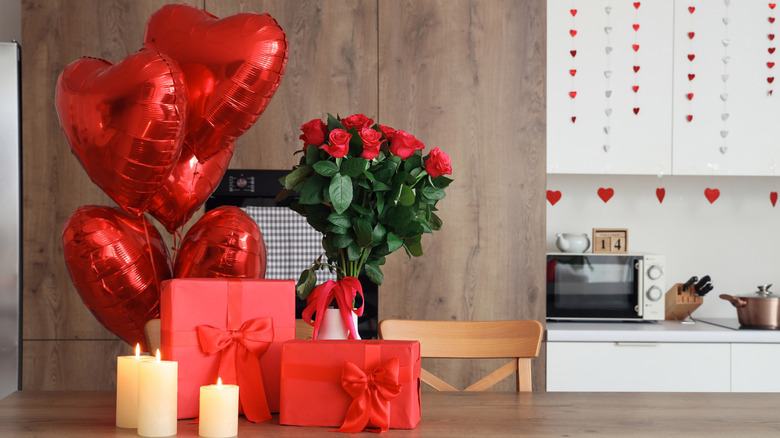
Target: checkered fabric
[(291, 243)]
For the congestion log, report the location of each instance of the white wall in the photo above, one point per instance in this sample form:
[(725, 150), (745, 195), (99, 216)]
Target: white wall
[(736, 240), (11, 20)]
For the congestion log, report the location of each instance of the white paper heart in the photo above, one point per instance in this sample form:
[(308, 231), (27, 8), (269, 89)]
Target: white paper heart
[(724, 77), (607, 74), (726, 20), (723, 150), (608, 9), (724, 116), (608, 49), (608, 93), (608, 111), (725, 42), (608, 29), (724, 134), (724, 97), (726, 59), (606, 129), (607, 148)]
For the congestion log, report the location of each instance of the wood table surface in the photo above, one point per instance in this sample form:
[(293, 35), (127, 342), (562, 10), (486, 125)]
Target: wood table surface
[(485, 414)]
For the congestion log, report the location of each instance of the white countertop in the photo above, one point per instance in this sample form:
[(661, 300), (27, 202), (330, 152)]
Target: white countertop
[(661, 331)]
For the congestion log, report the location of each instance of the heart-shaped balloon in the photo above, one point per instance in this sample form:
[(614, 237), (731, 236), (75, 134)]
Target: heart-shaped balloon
[(188, 186), (124, 122), (117, 262), (225, 243), (232, 67)]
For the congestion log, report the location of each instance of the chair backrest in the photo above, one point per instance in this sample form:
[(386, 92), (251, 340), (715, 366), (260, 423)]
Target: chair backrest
[(303, 330), (519, 340)]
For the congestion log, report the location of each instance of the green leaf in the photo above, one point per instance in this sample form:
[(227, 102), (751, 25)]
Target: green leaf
[(362, 227), (378, 234), (363, 211), (394, 242), (342, 240), (379, 186), (311, 193), (353, 251), (435, 222), (374, 273), (407, 196), (340, 191), (334, 123), (340, 220), (296, 176), (384, 171), (312, 154), (336, 229), (395, 190), (433, 193), (354, 167), (306, 283), (398, 216), (441, 181), (326, 168), (413, 162), (317, 216), (380, 203), (414, 246)]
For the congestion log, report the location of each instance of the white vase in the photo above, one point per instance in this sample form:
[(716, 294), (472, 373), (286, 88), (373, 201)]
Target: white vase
[(333, 327)]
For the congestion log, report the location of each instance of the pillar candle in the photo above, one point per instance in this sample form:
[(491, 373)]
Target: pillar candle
[(157, 386), (127, 389), (218, 416)]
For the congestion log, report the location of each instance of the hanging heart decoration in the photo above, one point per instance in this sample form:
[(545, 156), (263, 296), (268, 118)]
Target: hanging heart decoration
[(773, 198), (605, 194), (636, 110), (553, 196), (660, 193), (689, 117), (711, 194)]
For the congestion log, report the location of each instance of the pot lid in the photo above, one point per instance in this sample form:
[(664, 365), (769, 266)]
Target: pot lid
[(762, 292)]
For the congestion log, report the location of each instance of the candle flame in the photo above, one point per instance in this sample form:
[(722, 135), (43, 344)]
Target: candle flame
[(137, 351), (158, 355), (219, 382)]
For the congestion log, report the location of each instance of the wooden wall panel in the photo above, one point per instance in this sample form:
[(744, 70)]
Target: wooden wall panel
[(469, 77), (72, 365)]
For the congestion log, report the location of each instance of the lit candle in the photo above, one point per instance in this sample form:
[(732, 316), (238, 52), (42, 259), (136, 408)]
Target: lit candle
[(157, 385), (127, 389), (218, 410)]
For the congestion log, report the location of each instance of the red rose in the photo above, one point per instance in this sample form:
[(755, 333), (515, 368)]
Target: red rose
[(404, 144), (357, 121), (372, 141), (339, 143), (438, 163), (314, 132), (388, 132)]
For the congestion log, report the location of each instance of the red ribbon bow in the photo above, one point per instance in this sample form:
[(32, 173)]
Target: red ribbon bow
[(371, 393), (344, 291), (240, 361)]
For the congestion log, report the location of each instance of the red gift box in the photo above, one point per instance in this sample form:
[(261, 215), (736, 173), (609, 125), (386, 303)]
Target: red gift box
[(241, 318), (317, 375)]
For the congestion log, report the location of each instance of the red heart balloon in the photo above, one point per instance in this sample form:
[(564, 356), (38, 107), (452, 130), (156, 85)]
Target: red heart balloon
[(232, 66), (773, 198), (124, 122), (711, 194), (605, 194), (117, 262), (225, 243), (188, 187), (554, 196), (660, 193)]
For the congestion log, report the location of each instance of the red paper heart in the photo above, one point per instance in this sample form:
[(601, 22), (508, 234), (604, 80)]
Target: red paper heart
[(770, 80), (770, 64), (573, 12), (691, 9), (636, 27), (691, 56), (116, 262), (572, 72), (636, 5), (573, 32), (660, 193), (636, 68), (689, 96), (636, 110), (691, 76), (635, 88), (711, 194), (771, 36), (772, 5), (239, 60), (691, 35), (605, 194), (553, 196), (573, 119), (771, 19), (573, 94), (689, 117), (771, 50), (573, 53), (635, 47), (225, 243), (773, 198), (124, 122)]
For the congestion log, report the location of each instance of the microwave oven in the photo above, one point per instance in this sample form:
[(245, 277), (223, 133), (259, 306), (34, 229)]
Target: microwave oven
[(605, 287)]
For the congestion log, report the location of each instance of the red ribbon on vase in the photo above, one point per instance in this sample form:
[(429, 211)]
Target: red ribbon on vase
[(344, 292), (240, 361), (371, 393)]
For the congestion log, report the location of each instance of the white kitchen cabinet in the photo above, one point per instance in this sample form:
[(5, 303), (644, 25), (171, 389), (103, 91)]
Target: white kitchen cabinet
[(754, 367), (638, 366)]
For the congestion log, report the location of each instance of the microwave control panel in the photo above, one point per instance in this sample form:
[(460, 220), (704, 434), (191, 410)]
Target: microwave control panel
[(654, 285)]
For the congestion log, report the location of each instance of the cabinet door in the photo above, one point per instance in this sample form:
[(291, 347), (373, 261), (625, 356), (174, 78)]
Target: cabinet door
[(754, 367), (661, 367)]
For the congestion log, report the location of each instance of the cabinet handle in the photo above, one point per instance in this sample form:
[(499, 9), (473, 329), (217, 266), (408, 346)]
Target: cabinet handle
[(637, 344)]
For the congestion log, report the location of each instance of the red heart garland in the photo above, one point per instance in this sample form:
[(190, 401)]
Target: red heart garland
[(635, 47), (573, 12), (605, 194), (572, 72), (636, 5), (241, 59), (691, 76), (770, 64), (691, 57), (636, 110), (770, 80), (553, 196), (660, 193), (689, 96), (635, 88), (773, 198), (573, 32), (636, 68), (573, 94), (636, 27), (771, 19), (691, 35), (771, 36), (771, 50), (689, 117), (772, 5), (711, 194), (573, 53), (573, 119), (691, 9)]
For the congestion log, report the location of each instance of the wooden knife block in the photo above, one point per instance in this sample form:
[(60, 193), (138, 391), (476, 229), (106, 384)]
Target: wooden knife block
[(680, 304)]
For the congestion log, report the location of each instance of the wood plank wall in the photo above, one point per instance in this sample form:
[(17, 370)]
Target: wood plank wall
[(464, 75)]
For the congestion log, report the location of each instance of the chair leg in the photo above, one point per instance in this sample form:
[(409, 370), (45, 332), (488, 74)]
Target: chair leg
[(524, 381)]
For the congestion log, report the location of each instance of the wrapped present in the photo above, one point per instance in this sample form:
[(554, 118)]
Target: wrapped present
[(228, 328), (351, 384)]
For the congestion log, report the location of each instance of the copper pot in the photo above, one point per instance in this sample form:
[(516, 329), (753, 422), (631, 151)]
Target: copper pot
[(760, 309)]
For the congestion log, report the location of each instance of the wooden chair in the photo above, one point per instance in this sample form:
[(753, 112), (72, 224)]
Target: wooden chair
[(520, 340), (303, 330)]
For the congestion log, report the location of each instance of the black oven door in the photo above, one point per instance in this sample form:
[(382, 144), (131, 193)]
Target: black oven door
[(592, 286)]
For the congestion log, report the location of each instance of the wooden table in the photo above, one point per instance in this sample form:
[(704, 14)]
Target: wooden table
[(487, 414)]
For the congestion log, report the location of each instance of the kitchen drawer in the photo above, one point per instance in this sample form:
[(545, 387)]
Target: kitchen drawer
[(638, 366), (754, 367)]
